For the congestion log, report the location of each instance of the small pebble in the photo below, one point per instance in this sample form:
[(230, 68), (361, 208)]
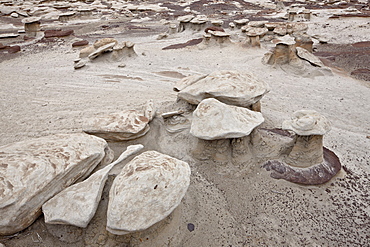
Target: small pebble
[(191, 227)]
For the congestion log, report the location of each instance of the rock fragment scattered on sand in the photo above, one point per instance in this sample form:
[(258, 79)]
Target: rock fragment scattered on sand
[(33, 171), (80, 43), (57, 33), (77, 204), (230, 87), (214, 120), (146, 191)]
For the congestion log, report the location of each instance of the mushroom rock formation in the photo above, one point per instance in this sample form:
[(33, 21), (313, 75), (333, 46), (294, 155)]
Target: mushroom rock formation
[(146, 191), (214, 120), (77, 204), (306, 14), (122, 126), (199, 23), (304, 41), (280, 30), (184, 22), (33, 171), (32, 25), (308, 162), (215, 38), (214, 123), (230, 87), (308, 56), (253, 35), (310, 127), (283, 53), (292, 14), (217, 23), (241, 22), (259, 24)]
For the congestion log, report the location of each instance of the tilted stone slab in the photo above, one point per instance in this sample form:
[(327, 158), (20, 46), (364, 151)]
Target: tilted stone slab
[(122, 126), (146, 191), (33, 171), (213, 120), (77, 204), (230, 87)]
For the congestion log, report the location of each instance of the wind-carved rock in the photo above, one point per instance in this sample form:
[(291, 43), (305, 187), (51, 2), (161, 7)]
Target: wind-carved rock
[(215, 38), (31, 172), (308, 162), (32, 25), (213, 121), (146, 191), (122, 126), (254, 34), (184, 22), (106, 49), (289, 57), (230, 87), (77, 204)]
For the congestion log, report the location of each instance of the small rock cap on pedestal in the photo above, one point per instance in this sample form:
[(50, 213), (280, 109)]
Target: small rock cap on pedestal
[(307, 122)]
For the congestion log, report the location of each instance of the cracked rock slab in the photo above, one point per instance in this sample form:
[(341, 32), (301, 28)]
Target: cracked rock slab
[(146, 191), (33, 171)]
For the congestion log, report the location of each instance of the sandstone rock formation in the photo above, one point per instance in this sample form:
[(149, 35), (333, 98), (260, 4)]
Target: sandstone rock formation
[(77, 204), (310, 127), (122, 126), (230, 87), (308, 162), (33, 171), (214, 120), (146, 191)]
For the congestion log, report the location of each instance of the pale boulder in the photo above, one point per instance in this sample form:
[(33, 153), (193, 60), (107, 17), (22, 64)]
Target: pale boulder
[(146, 191), (77, 204), (213, 120), (230, 87), (33, 171), (121, 126)]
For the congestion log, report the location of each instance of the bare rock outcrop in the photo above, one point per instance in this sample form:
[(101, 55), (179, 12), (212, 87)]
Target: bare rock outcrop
[(214, 120), (122, 126), (146, 191), (33, 171), (230, 87), (77, 204)]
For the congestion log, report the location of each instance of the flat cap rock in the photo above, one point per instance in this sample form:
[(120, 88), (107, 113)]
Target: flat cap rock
[(77, 204), (122, 126), (213, 120), (146, 191), (33, 171), (307, 122), (230, 87)]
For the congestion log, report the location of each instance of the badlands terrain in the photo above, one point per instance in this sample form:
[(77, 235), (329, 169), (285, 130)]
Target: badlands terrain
[(228, 202)]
